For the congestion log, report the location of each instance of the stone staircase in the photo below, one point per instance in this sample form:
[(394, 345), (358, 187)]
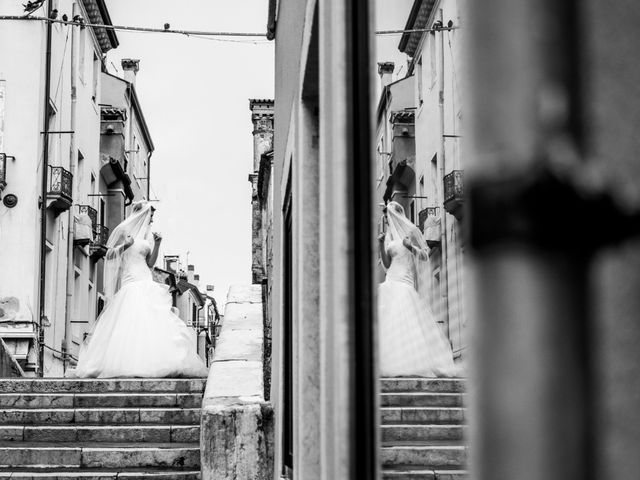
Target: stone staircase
[(423, 429), (100, 429)]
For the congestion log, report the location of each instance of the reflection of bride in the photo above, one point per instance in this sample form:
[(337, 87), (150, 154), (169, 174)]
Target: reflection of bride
[(137, 334), (410, 341)]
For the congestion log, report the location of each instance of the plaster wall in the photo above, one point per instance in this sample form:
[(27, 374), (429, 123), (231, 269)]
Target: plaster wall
[(22, 66)]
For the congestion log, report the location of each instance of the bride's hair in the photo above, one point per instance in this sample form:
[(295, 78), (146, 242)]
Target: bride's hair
[(139, 205)]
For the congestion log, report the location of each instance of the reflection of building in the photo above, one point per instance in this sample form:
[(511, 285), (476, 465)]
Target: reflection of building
[(54, 253), (262, 119), (423, 151)]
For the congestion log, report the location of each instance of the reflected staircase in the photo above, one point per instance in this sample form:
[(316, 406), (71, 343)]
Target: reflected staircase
[(423, 429)]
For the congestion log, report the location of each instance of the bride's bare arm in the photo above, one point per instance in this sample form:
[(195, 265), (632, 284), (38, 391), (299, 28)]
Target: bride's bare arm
[(153, 255), (386, 260)]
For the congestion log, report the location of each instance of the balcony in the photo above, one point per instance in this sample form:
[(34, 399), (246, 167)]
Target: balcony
[(454, 193), (59, 196), (98, 248), (91, 212)]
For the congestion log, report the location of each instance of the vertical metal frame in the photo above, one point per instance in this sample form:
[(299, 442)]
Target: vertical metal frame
[(360, 172)]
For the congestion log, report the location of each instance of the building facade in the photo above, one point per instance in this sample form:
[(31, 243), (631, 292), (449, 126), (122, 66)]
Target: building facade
[(60, 199), (262, 120), (422, 167)]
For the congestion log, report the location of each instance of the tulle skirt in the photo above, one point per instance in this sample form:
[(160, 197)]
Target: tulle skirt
[(410, 342), (137, 335)]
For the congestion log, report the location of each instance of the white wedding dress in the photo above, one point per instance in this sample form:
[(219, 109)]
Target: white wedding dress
[(410, 341), (137, 334)]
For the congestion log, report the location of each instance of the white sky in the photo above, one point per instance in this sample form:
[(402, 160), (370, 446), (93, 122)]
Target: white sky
[(194, 94)]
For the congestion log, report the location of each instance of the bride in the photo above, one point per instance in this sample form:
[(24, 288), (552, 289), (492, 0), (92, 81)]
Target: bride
[(410, 341), (137, 334)]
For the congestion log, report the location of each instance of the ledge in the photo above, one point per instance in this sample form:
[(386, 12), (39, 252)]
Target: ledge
[(237, 423)]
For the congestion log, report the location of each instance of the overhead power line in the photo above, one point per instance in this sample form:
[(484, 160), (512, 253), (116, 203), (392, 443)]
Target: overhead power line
[(201, 33), (194, 33)]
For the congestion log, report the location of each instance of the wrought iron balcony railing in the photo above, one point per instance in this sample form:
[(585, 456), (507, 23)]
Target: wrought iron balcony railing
[(102, 235), (98, 248), (60, 188), (91, 212), (454, 193)]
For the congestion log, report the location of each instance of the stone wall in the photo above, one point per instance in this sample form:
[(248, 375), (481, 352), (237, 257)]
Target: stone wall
[(237, 422)]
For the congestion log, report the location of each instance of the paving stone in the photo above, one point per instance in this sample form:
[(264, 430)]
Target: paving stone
[(424, 415), (416, 384), (10, 433), (131, 400), (395, 433), (421, 399), (107, 415), (36, 416), (186, 416), (432, 455), (185, 434), (37, 400), (50, 385), (188, 400), (22, 454), (121, 457), (416, 473)]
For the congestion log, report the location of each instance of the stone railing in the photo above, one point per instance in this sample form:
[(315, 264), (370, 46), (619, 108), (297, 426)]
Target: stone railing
[(9, 368), (237, 422)]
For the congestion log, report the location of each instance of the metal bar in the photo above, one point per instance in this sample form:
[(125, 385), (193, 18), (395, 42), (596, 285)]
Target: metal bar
[(58, 132), (364, 443)]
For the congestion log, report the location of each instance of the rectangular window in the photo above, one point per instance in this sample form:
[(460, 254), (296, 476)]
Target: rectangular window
[(96, 78), (433, 59), (287, 418), (381, 157), (419, 76), (82, 39), (434, 178)]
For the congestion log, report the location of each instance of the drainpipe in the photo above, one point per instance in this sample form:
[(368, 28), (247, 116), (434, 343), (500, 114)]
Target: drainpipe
[(444, 271), (66, 343), (43, 192), (149, 175)]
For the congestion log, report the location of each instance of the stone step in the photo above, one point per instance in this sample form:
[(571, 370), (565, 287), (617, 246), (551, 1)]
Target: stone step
[(419, 384), (421, 399), (425, 454), (416, 473), (94, 400), (422, 415), (102, 416), (412, 433), (92, 385), (120, 456), (101, 433), (100, 474)]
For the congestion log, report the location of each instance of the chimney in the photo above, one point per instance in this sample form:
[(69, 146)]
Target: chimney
[(196, 280), (385, 70), (171, 263), (130, 67), (191, 271)]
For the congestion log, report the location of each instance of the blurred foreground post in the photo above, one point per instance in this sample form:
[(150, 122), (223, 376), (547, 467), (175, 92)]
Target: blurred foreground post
[(555, 390)]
